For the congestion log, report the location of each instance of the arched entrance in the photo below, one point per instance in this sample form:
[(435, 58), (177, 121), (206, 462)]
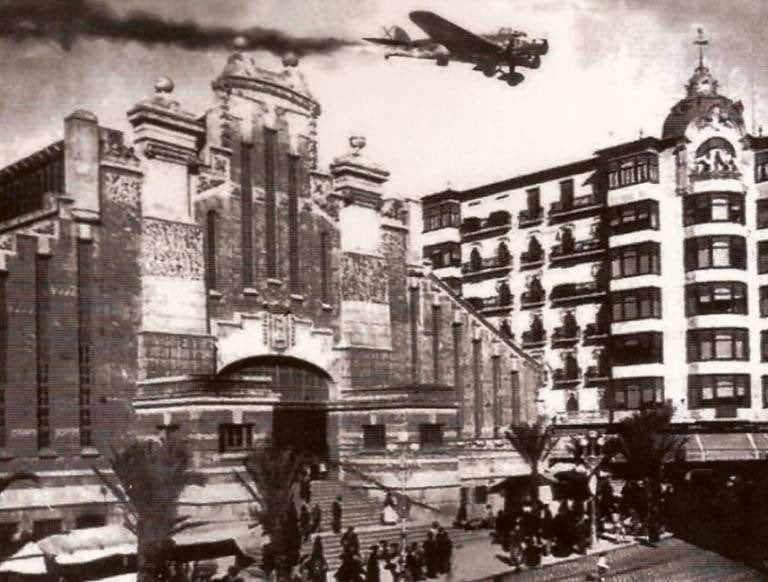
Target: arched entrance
[(300, 418)]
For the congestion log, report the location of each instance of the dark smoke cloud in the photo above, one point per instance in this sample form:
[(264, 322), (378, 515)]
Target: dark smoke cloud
[(67, 21)]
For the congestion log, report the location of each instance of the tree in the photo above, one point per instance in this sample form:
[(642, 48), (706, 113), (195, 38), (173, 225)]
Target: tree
[(275, 472), (151, 476), (646, 442), (533, 441), (7, 545)]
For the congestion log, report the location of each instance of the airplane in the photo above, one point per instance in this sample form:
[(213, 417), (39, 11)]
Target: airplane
[(490, 53)]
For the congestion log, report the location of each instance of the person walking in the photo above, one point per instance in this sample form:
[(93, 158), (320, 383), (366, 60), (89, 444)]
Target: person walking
[(372, 573), (304, 522), (305, 486), (350, 542), (317, 517), (430, 555), (444, 550), (336, 511), (317, 567)]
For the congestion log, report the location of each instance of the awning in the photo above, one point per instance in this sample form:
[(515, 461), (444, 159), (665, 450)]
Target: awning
[(28, 560), (514, 481), (81, 546), (738, 446)]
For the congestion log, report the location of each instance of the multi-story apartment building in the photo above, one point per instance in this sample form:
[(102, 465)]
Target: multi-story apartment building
[(636, 275)]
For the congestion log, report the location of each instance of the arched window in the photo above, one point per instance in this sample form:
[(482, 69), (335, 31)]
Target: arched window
[(502, 254), (570, 327), (505, 295), (570, 366), (505, 328), (715, 143), (210, 255), (572, 404), (537, 329), (475, 260), (534, 248), (535, 289)]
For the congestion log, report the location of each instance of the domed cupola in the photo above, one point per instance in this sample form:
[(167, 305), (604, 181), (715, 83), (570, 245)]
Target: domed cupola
[(702, 104)]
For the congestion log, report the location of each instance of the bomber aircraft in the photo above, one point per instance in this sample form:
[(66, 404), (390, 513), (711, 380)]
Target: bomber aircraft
[(490, 53)]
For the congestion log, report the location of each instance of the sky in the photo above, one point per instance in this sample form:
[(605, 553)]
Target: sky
[(614, 69)]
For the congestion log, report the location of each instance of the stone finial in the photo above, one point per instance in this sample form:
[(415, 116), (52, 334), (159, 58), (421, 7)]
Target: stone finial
[(164, 87), (290, 60), (239, 44), (357, 143)]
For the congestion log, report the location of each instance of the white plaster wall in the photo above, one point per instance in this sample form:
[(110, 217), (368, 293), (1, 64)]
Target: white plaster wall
[(165, 193), (359, 228), (173, 305)]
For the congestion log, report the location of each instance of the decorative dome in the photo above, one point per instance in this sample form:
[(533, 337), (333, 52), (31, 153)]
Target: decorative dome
[(702, 102)]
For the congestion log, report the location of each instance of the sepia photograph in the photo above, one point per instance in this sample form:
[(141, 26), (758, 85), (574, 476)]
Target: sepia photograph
[(383, 290)]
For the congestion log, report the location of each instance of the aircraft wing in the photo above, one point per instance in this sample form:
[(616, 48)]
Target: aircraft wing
[(453, 37)]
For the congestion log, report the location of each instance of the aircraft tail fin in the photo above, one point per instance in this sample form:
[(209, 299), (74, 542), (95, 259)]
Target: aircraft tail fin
[(398, 34)]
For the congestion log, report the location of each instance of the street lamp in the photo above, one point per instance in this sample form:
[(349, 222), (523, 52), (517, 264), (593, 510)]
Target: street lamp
[(405, 461), (592, 445)]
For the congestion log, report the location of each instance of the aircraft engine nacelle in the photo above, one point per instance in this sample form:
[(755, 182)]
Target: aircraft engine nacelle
[(539, 46), (442, 56)]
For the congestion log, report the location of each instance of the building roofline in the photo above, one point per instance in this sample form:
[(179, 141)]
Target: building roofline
[(447, 194), (34, 159), (519, 352), (638, 145), (530, 179)]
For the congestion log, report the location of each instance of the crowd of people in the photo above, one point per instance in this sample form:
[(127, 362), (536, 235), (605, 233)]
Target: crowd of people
[(385, 561)]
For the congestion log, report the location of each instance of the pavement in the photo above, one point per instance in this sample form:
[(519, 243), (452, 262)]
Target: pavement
[(670, 560)]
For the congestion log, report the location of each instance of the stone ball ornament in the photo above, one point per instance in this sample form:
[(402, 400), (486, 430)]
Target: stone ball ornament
[(290, 59), (240, 43), (164, 85), (357, 143)]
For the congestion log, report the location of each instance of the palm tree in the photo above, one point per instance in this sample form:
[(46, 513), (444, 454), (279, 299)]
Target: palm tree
[(6, 543), (274, 473), (533, 441), (647, 443), (151, 476)]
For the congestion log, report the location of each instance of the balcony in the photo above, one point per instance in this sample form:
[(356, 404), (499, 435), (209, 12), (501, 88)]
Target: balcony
[(575, 293), (496, 223), (565, 336), (580, 205), (583, 250), (534, 340), (494, 305), (529, 260), (597, 374), (564, 378), (441, 264), (530, 217), (595, 333), (488, 267), (716, 174), (532, 299)]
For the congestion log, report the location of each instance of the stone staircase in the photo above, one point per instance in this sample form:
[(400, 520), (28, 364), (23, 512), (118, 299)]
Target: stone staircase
[(364, 513)]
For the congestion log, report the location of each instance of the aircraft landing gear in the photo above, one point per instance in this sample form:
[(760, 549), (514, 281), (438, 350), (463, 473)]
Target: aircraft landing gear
[(513, 78)]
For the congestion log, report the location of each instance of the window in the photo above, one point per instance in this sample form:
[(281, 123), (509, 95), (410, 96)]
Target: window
[(761, 166), (713, 207), (631, 260), (635, 216), (718, 344), (167, 431), (481, 494), (720, 297), (764, 346), (633, 170), (710, 390), (765, 392), (7, 535), (210, 254), (762, 213), (712, 252), (566, 193), (374, 437), (633, 304), (431, 436), (443, 215), (639, 348), (637, 393), (325, 265), (45, 527), (235, 437), (270, 202), (762, 256), (764, 301), (443, 254), (533, 201), (294, 270), (475, 260)]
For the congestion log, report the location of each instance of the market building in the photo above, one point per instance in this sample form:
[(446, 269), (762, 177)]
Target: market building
[(636, 275), (208, 278)]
